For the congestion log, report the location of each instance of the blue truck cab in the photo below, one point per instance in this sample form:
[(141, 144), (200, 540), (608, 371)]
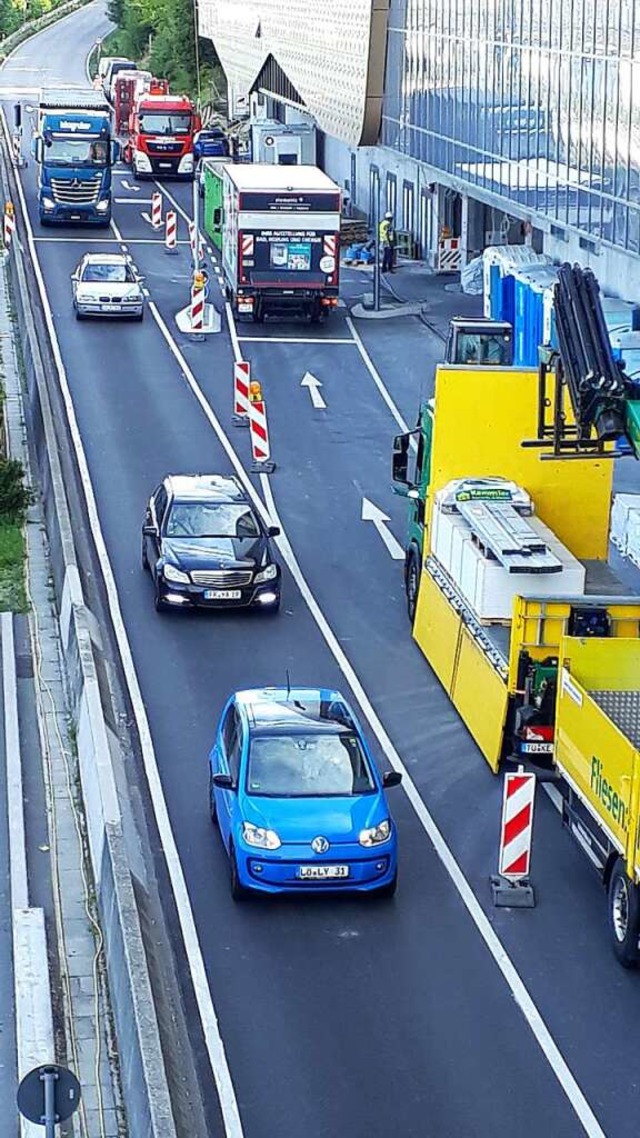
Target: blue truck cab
[(75, 153)]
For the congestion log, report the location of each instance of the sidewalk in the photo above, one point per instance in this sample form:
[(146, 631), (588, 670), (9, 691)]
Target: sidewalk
[(437, 297)]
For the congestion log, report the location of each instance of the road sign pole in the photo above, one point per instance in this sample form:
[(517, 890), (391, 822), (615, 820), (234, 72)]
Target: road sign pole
[(49, 1078), (196, 225), (376, 223)]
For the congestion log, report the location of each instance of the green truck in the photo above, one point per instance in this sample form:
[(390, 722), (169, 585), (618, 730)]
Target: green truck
[(212, 169)]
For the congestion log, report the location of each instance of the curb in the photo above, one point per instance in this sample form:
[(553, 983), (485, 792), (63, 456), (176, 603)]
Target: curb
[(31, 983)]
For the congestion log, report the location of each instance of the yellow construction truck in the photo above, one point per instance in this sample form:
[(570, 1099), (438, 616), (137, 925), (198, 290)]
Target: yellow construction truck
[(508, 477)]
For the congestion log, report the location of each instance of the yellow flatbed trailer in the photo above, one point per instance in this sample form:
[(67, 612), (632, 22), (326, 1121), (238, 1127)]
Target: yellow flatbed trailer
[(475, 428)]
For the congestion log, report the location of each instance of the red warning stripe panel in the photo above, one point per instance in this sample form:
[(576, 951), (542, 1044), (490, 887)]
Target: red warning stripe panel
[(517, 825), (514, 826), (260, 448)]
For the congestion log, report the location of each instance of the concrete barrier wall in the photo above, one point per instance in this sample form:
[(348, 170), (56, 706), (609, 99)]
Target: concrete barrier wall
[(144, 1082)]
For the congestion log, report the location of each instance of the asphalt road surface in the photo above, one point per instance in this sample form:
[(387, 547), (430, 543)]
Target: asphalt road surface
[(338, 1016)]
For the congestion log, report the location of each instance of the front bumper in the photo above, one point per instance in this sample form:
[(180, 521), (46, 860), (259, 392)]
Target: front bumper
[(279, 871), (123, 311), (81, 215), (264, 596)]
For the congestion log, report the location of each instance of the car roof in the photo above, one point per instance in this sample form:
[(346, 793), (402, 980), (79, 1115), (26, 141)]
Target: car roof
[(106, 258), (205, 487), (293, 710)]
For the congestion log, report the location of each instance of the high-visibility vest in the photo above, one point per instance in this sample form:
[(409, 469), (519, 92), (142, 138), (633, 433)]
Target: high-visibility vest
[(384, 231)]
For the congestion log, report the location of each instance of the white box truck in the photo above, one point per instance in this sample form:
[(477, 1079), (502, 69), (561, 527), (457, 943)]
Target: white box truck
[(283, 144), (280, 240)]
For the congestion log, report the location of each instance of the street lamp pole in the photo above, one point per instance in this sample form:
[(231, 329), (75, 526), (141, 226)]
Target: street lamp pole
[(376, 222)]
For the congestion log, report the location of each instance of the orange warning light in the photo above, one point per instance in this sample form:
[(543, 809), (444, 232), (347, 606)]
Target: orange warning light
[(198, 279), (255, 391), (9, 208)]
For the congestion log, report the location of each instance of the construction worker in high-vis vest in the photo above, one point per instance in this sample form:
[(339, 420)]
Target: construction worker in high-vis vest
[(387, 240)]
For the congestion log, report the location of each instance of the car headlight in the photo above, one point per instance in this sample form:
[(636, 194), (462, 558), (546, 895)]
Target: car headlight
[(103, 205), (48, 203), (257, 836), (268, 574), (376, 835), (170, 573), (84, 298)]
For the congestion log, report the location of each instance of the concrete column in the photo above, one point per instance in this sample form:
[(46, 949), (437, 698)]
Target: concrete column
[(464, 230), (436, 221)]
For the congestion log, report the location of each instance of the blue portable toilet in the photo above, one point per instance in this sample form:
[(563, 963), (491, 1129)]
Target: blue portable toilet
[(530, 283), (501, 262)]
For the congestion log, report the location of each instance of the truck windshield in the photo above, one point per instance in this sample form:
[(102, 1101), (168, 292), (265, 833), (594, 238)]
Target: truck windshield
[(483, 348), (76, 152), (165, 124)]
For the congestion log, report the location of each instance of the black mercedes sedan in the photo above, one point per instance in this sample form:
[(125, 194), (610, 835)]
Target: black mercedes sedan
[(205, 546)]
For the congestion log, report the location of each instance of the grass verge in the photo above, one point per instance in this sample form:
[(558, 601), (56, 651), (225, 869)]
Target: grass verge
[(13, 597)]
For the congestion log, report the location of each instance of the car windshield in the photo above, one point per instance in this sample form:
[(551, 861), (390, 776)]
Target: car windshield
[(308, 766), (212, 519), (76, 152), (165, 124), (114, 274)]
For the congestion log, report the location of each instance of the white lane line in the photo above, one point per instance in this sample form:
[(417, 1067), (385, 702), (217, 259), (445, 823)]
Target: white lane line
[(133, 201), (208, 1016), (176, 205), (371, 368), (293, 340)]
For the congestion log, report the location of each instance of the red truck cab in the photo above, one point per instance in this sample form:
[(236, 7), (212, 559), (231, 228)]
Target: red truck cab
[(161, 133)]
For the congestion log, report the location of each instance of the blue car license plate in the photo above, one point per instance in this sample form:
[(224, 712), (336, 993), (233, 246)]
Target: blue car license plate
[(322, 872), (222, 594)]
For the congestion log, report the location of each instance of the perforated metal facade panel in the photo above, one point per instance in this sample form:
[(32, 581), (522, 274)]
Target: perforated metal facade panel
[(332, 52)]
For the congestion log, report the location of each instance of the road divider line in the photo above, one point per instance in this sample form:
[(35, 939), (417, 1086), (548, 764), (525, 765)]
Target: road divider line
[(208, 1016), (516, 985), (375, 375)]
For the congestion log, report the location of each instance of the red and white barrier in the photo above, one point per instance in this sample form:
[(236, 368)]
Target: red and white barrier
[(516, 829), (193, 237), (449, 255), (197, 304), (9, 224), (260, 448), (241, 381), (156, 210), (170, 231)]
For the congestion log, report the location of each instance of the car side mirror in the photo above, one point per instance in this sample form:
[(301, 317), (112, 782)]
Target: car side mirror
[(224, 782), (149, 530), (391, 778), (74, 276), (274, 531), (115, 152), (37, 148)]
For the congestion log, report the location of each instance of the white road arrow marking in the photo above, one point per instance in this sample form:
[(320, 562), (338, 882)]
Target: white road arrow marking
[(128, 186), (313, 386), (145, 217), (371, 513)]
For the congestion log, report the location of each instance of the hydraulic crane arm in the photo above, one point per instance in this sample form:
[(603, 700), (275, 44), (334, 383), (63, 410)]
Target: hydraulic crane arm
[(598, 387)]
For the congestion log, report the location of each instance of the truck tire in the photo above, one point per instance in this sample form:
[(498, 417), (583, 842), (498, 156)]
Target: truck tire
[(624, 916), (412, 583)]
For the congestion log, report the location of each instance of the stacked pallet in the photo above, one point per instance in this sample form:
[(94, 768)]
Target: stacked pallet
[(353, 230)]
